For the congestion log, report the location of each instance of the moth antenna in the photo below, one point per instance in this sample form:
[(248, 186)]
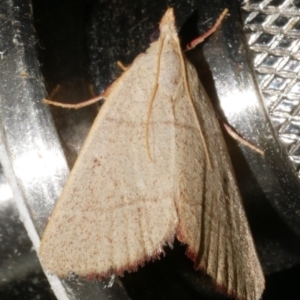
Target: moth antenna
[(76, 105), (155, 87), (187, 88)]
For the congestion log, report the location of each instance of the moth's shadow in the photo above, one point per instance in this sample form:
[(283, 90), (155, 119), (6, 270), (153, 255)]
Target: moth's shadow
[(171, 277)]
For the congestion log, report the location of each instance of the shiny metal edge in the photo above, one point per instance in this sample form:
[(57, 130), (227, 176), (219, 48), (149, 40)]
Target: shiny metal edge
[(30, 150), (245, 109), (273, 36)]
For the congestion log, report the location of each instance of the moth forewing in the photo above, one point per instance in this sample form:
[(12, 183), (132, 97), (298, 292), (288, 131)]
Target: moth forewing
[(154, 166)]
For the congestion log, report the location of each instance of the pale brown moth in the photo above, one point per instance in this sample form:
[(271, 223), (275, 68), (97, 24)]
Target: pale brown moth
[(154, 166)]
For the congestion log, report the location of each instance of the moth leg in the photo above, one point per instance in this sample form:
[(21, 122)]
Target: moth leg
[(80, 104), (57, 89), (202, 37), (122, 66), (88, 102), (240, 139), (76, 105), (54, 91)]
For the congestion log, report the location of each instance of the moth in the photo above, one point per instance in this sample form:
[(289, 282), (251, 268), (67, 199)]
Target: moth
[(154, 167)]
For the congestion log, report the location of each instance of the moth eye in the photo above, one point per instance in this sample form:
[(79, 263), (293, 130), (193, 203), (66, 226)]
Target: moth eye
[(155, 35)]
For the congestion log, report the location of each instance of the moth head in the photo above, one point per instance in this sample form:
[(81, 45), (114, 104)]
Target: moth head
[(167, 24)]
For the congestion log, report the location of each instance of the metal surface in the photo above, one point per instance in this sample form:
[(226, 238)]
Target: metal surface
[(273, 35), (30, 151), (264, 180), (18, 260), (263, 107)]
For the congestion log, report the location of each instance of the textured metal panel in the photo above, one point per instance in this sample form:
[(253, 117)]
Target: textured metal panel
[(273, 29)]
